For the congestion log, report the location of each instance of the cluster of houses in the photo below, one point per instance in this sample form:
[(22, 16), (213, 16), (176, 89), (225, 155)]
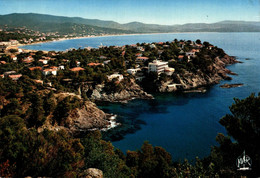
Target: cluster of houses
[(12, 75), (157, 65)]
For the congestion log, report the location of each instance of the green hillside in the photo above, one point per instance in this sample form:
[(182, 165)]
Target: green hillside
[(65, 25)]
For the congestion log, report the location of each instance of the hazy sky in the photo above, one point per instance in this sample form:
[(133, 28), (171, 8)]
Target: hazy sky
[(147, 11)]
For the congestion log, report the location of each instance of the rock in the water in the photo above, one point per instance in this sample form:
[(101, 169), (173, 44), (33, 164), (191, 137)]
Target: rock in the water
[(231, 85)]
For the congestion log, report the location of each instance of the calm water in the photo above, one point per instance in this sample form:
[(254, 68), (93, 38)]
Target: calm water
[(185, 125)]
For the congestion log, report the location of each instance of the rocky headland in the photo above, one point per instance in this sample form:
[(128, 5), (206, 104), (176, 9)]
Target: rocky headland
[(188, 80), (81, 119)]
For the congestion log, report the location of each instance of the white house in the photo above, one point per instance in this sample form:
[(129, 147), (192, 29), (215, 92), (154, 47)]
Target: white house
[(190, 53), (61, 67), (160, 67), (152, 46), (119, 76), (141, 59), (157, 66), (50, 71), (106, 62), (132, 71), (169, 71), (140, 48), (44, 61)]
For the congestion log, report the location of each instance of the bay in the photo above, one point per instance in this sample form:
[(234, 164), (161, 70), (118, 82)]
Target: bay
[(185, 124)]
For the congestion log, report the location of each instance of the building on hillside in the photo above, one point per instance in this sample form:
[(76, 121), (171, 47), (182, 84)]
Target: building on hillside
[(138, 54), (102, 57), (2, 62), (61, 67), (35, 68), (106, 62), (190, 54), (160, 52), (169, 71), (141, 59), (76, 69), (13, 42), (140, 48), (152, 46), (92, 64), (132, 71), (180, 57), (9, 73), (118, 76), (15, 77), (44, 61), (39, 82), (159, 67), (50, 71)]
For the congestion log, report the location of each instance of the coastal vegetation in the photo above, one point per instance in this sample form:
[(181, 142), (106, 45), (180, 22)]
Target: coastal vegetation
[(50, 125), (56, 153)]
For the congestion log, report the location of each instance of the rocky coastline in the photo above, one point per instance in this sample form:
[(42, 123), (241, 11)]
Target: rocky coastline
[(134, 91), (189, 81), (231, 85)]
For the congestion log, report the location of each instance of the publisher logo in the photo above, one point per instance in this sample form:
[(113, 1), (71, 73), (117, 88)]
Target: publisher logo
[(244, 162)]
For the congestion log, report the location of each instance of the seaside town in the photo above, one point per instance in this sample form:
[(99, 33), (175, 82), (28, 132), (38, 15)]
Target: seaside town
[(54, 94), (129, 88), (137, 60)]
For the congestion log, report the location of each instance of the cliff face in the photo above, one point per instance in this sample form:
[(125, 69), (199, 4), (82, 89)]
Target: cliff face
[(81, 119), (133, 91), (188, 80), (87, 117)]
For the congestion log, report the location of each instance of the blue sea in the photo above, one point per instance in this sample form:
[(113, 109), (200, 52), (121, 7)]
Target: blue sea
[(184, 124)]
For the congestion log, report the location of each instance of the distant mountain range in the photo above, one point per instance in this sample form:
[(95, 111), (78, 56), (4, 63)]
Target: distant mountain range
[(51, 23)]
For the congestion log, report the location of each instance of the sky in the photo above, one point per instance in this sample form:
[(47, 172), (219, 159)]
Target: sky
[(165, 12)]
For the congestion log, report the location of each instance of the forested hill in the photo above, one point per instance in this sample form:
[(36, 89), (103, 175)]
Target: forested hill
[(50, 23), (62, 25)]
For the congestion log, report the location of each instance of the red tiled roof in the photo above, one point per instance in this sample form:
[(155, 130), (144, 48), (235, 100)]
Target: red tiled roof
[(54, 67), (143, 58), (75, 69), (15, 76), (46, 70), (39, 81), (94, 64), (35, 68)]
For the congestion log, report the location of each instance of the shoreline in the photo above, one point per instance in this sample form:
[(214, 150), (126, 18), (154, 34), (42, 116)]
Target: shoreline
[(99, 36)]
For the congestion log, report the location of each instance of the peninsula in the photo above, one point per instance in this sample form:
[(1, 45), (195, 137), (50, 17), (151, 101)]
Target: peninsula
[(67, 83)]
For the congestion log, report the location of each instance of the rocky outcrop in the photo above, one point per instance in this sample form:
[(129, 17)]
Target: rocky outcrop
[(133, 91), (231, 85), (84, 118), (93, 173), (87, 117), (188, 81)]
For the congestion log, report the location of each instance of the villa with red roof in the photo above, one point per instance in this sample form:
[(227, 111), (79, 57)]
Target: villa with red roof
[(76, 69)]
